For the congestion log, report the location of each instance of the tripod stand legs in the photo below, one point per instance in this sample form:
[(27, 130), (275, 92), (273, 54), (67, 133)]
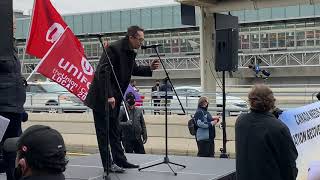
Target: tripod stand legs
[(167, 162), (106, 176)]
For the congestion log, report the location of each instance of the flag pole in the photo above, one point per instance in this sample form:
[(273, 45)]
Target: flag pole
[(45, 56), (25, 46)]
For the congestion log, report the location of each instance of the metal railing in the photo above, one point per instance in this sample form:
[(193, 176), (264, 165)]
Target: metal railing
[(236, 101)]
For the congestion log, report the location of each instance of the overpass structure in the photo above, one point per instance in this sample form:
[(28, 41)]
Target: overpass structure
[(284, 40), (207, 33)]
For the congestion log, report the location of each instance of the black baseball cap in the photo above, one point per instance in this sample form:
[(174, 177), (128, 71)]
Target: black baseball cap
[(38, 140), (130, 95)]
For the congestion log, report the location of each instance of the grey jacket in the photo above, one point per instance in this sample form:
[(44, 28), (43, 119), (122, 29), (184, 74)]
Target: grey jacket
[(135, 128)]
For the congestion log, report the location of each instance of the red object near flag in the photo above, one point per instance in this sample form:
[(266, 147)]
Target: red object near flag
[(47, 26), (67, 65)]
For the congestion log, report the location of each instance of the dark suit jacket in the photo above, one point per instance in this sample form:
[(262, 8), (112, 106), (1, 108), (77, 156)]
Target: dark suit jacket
[(169, 89), (154, 92), (264, 148), (12, 85), (123, 60)]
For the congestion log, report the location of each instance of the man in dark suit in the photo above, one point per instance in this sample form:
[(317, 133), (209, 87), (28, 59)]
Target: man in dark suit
[(122, 54), (156, 98), (166, 86)]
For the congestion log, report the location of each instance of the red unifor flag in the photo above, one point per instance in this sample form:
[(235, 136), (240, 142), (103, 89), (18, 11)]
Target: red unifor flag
[(46, 27), (65, 64)]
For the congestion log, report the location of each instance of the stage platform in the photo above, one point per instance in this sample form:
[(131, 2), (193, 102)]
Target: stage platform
[(89, 168)]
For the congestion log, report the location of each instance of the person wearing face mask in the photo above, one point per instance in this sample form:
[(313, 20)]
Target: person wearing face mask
[(134, 132), (205, 133), (41, 154), (156, 98)]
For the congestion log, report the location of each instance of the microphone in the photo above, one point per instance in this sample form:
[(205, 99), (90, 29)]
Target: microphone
[(151, 46)]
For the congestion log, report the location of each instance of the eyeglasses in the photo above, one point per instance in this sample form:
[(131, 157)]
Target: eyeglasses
[(141, 40)]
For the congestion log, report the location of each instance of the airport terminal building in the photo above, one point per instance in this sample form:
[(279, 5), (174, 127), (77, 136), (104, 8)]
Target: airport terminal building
[(283, 40)]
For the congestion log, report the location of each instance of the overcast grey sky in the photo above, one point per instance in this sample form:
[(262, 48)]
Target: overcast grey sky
[(76, 6)]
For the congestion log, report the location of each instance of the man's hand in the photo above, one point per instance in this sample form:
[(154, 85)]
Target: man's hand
[(112, 102), (155, 65), (144, 138), (130, 122)]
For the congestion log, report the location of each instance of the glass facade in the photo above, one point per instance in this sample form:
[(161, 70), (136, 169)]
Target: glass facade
[(166, 17), (254, 38), (289, 36)]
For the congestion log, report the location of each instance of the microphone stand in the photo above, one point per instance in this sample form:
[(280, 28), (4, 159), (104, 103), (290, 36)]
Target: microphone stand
[(166, 158), (109, 66)]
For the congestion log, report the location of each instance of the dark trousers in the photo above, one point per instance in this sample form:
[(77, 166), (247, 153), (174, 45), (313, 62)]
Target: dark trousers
[(156, 103), (13, 130), (114, 136), (133, 146), (205, 148)]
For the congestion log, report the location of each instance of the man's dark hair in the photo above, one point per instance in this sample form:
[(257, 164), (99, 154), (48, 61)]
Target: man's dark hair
[(130, 95), (53, 164), (132, 81), (133, 30)]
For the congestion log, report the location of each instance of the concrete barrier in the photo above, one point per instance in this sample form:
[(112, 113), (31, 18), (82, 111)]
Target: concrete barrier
[(79, 133)]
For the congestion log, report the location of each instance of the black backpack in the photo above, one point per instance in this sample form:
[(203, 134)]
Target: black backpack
[(192, 126)]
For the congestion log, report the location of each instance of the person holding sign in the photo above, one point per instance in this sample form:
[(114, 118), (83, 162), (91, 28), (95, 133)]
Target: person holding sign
[(264, 147)]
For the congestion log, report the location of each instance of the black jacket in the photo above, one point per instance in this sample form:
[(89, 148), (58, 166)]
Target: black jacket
[(169, 89), (45, 177), (155, 92), (12, 86), (135, 129), (123, 60), (264, 148)]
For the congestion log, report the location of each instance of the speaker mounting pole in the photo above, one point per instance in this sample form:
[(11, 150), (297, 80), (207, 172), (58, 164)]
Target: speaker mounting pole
[(223, 150)]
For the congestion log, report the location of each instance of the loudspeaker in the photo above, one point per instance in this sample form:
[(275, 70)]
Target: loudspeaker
[(6, 30), (226, 50), (188, 15)]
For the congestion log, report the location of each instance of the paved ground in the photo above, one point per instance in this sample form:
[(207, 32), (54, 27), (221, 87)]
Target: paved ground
[(89, 168)]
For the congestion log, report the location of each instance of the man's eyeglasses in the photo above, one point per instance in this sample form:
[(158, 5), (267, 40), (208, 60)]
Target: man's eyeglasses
[(141, 40)]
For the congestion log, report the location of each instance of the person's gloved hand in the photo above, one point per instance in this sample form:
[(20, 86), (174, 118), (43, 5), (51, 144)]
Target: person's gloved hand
[(277, 112), (144, 138), (24, 116)]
